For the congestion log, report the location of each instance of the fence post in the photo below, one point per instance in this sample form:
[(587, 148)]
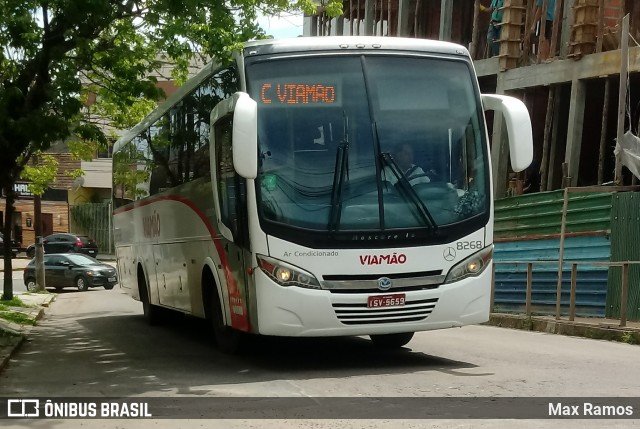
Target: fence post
[(529, 283), (493, 286), (109, 232), (572, 297), (563, 228), (625, 295)]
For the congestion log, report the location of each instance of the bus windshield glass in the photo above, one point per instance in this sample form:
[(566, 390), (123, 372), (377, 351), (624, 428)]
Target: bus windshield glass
[(369, 143)]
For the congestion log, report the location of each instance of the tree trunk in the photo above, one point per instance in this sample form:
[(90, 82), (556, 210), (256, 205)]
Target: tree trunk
[(7, 293)]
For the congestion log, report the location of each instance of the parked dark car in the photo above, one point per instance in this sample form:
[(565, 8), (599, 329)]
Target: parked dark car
[(15, 246), (66, 243), (71, 270)]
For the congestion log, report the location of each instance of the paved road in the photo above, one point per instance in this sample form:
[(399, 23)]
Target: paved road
[(96, 344)]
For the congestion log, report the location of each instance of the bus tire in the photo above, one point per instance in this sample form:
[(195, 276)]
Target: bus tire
[(152, 313), (391, 341), (228, 340)]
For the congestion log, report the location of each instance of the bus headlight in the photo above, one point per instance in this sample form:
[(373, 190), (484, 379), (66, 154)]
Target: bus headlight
[(285, 274), (473, 266)]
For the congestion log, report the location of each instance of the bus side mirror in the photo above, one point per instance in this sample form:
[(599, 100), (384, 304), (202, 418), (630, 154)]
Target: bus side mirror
[(518, 123), (245, 136)]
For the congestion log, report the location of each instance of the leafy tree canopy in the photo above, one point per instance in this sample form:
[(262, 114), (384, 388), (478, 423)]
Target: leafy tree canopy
[(55, 52)]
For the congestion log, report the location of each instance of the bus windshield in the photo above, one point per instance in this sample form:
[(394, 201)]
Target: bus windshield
[(369, 143)]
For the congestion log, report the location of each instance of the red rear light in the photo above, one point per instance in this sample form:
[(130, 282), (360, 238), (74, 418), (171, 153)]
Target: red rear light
[(78, 242)]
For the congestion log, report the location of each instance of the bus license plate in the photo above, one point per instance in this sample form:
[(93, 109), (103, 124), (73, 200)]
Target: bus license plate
[(393, 300)]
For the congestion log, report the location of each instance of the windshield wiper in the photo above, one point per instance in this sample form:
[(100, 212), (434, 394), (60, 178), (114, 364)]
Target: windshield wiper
[(341, 170), (408, 190)]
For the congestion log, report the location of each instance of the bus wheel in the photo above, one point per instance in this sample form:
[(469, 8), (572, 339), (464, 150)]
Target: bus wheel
[(228, 340), (152, 314), (392, 341)]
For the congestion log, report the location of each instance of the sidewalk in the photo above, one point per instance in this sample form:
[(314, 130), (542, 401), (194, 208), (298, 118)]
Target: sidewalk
[(13, 334)]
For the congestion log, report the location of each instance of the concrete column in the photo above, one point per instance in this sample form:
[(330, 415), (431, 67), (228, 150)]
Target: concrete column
[(403, 18), (499, 149), (369, 17), (553, 150), (574, 131), (446, 17), (567, 22)]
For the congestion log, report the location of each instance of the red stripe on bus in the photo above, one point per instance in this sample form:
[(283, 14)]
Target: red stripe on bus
[(238, 321)]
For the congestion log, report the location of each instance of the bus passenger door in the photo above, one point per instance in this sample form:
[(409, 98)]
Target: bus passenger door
[(230, 195)]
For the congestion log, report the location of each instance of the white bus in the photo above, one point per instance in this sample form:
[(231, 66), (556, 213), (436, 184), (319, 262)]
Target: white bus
[(316, 187)]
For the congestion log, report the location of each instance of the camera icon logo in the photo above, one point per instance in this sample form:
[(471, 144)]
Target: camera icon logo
[(23, 408)]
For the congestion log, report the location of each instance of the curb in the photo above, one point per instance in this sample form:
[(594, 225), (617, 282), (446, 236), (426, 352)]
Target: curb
[(15, 342), (13, 348), (565, 327)]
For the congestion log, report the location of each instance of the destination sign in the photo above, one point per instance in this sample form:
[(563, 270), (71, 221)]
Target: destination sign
[(299, 94)]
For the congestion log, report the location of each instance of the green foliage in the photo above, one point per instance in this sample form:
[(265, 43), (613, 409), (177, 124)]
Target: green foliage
[(59, 56), (16, 317), (69, 66), (42, 174), (13, 302)]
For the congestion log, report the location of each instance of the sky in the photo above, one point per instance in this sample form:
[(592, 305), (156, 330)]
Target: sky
[(282, 27)]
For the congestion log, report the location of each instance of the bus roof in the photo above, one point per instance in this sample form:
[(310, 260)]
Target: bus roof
[(325, 43), (299, 44)]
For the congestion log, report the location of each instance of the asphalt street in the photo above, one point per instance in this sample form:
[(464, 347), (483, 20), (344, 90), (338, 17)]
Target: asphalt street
[(96, 343)]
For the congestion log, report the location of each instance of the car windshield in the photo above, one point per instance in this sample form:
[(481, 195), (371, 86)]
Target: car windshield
[(82, 259), (369, 143)]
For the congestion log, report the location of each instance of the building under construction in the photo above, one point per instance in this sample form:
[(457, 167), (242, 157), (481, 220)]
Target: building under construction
[(572, 95), (572, 87)]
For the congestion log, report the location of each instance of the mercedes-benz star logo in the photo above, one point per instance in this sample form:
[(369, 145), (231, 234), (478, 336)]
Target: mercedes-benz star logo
[(384, 283), (449, 254)]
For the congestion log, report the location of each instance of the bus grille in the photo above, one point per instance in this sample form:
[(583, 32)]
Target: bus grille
[(360, 314)]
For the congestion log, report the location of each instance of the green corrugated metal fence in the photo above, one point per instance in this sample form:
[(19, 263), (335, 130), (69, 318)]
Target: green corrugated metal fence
[(625, 246), (541, 214)]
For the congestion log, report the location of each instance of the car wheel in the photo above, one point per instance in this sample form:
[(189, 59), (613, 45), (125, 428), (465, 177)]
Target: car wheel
[(392, 341), (31, 285), (108, 287), (82, 284)]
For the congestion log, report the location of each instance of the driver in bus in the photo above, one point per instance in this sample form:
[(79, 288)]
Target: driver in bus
[(403, 156)]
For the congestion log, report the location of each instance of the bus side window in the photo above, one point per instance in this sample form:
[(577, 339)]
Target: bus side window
[(226, 175)]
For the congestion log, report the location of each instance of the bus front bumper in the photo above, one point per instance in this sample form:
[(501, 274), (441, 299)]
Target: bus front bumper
[(299, 312)]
